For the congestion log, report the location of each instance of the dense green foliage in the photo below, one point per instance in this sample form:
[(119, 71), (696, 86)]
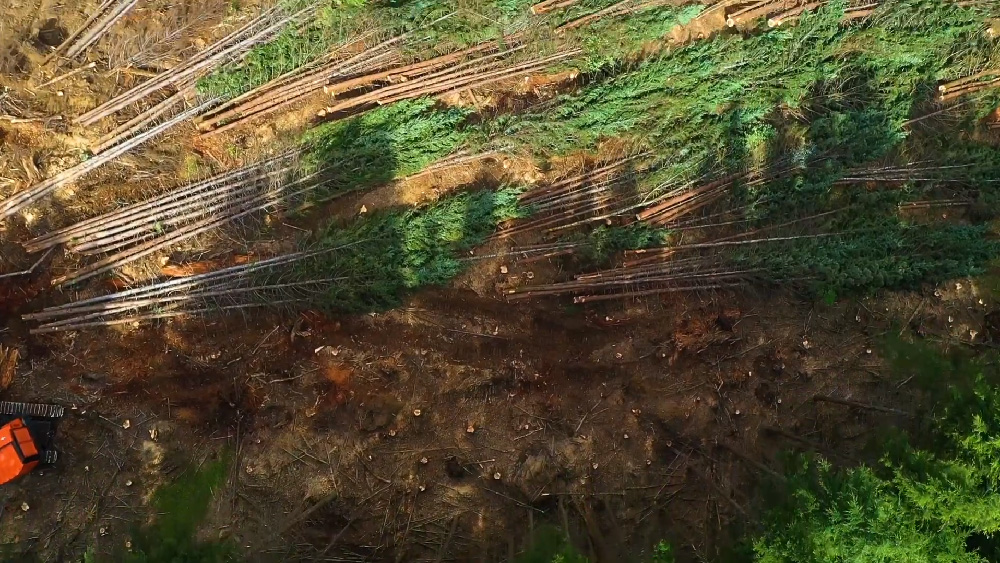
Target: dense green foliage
[(873, 252), (387, 143), (442, 26), (611, 42), (717, 100), (601, 244), (180, 508), (933, 499), (290, 50), (438, 26), (550, 545), (820, 98), (383, 257)]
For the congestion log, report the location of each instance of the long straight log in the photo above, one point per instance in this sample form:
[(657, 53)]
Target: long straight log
[(309, 82), (191, 69), (780, 18), (549, 5), (132, 234), (692, 264), (570, 198), (165, 201), (616, 10), (222, 207), (658, 291), (857, 13), (746, 13), (145, 249), (133, 254), (129, 128), (500, 77), (293, 90), (329, 61), (687, 207), (86, 25), (584, 20), (969, 89), (176, 300), (576, 287), (167, 212), (715, 184), (566, 185), (948, 86), (551, 220), (154, 316), (259, 108), (573, 198), (468, 82), (94, 35), (638, 293), (663, 271), (64, 76), (435, 77), (176, 284), (409, 71), (450, 72), (860, 405), (164, 78), (24, 198)]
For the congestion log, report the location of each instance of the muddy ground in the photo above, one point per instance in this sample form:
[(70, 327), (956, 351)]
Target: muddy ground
[(447, 429)]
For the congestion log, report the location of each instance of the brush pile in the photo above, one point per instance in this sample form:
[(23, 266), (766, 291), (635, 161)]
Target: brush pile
[(236, 287), (148, 227), (96, 26)]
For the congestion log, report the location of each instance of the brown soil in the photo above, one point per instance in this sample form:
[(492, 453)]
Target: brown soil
[(460, 411)]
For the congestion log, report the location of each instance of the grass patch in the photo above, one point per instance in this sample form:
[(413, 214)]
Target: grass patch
[(180, 508)]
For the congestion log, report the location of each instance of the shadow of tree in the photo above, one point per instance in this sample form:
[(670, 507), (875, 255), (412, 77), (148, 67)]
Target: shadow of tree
[(378, 259), (374, 148), (824, 102)]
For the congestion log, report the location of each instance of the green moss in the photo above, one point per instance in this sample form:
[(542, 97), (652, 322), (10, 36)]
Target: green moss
[(180, 507)]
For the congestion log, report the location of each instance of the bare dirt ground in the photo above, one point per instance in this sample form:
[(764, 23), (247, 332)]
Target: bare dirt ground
[(447, 429)]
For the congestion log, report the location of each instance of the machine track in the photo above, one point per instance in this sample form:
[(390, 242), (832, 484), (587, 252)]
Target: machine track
[(31, 409)]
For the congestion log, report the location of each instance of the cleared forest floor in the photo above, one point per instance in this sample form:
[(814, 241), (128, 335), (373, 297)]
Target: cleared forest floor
[(449, 427)]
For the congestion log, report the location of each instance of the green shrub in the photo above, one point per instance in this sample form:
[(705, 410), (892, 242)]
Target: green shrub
[(935, 498), (387, 143), (382, 257), (551, 545)]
